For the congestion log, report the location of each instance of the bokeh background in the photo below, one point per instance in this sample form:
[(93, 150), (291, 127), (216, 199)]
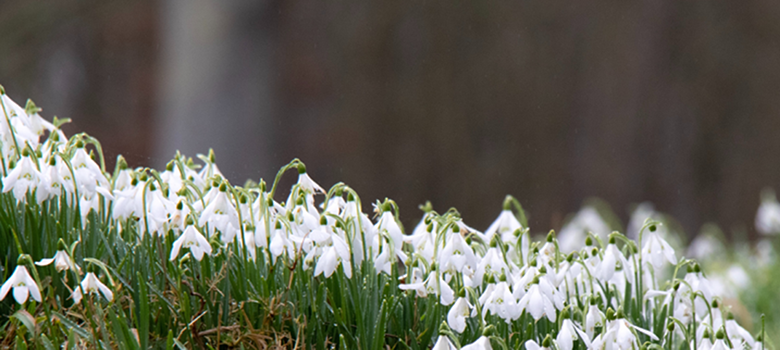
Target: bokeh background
[(456, 102)]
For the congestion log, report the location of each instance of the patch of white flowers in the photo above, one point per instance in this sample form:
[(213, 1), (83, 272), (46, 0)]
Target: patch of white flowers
[(589, 289)]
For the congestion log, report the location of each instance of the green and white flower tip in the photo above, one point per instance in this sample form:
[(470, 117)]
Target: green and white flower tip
[(499, 276)]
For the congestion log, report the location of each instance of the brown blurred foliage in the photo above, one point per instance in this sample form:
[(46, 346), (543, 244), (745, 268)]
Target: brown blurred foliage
[(460, 102)]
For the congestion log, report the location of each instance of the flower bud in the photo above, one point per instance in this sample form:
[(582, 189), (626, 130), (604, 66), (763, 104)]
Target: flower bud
[(547, 342), (719, 334), (610, 314)]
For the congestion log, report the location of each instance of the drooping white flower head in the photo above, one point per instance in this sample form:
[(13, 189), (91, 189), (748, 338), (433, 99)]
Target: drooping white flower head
[(23, 285), (92, 285), (768, 215), (334, 255), (23, 178), (443, 343), (191, 238), (499, 301), (573, 234), (456, 317), (62, 261), (306, 183), (221, 214), (656, 251), (483, 343), (569, 333)]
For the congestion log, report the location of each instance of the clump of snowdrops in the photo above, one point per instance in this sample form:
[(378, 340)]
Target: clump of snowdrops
[(181, 258)]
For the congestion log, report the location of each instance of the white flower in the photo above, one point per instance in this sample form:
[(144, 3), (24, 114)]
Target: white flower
[(307, 184), (457, 255), (656, 250), (456, 317), (281, 243), (220, 214), (739, 334), (608, 265), (194, 240), (61, 260), (533, 345), (573, 234), (501, 303), (389, 225), (537, 304), (593, 319), (768, 216), (505, 225), (23, 285), (89, 177), (569, 333), (491, 262), (22, 178), (333, 255), (91, 284), (443, 343), (483, 343)]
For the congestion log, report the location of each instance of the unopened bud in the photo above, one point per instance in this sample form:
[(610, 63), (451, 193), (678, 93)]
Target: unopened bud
[(547, 342)]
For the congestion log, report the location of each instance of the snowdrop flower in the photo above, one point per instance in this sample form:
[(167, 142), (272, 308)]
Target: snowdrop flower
[(194, 240), (737, 334), (719, 343), (61, 260), (443, 343), (593, 318), (433, 284), (91, 284), (768, 216), (533, 345), (505, 225), (333, 255), (89, 177), (491, 262), (537, 304), (22, 178), (641, 213), (23, 285), (568, 335), (483, 343), (457, 255), (281, 243), (656, 250), (573, 234), (441, 288), (220, 214), (501, 303), (306, 183), (456, 317), (612, 256), (389, 225)]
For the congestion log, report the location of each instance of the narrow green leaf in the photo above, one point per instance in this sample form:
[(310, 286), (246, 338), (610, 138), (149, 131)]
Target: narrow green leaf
[(142, 322), (27, 320)]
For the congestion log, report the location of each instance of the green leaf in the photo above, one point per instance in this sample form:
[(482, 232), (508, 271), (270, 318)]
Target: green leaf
[(27, 320), (143, 312), (70, 325), (47, 344)]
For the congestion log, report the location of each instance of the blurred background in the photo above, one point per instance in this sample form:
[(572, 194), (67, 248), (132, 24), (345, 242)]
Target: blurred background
[(459, 103)]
